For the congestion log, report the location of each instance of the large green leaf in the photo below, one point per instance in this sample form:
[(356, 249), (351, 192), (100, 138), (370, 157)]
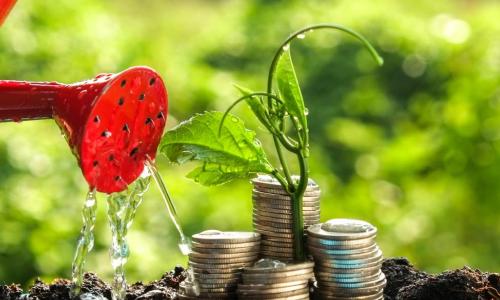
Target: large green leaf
[(235, 153), (289, 89)]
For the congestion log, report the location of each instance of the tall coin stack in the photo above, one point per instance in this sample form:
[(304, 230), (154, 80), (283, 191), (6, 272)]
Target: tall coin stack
[(271, 279), (217, 259), (272, 215), (347, 260)]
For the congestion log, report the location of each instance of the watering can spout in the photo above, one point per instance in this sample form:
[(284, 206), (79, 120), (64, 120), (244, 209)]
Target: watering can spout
[(21, 100), (112, 123)]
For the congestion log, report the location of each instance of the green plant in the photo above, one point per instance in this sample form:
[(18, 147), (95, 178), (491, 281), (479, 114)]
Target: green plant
[(228, 150)]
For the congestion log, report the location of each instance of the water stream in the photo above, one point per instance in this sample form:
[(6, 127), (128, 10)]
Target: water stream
[(184, 244), (85, 242), (122, 207), (121, 212)]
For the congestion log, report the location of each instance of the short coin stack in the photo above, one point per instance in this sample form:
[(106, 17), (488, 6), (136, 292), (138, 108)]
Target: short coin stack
[(271, 279), (347, 260), (217, 259), (272, 215)]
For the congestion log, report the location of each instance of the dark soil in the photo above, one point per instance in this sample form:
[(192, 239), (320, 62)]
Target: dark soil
[(404, 282), (59, 289)]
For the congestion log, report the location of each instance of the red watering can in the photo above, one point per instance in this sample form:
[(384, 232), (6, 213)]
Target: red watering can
[(113, 123), (5, 7)]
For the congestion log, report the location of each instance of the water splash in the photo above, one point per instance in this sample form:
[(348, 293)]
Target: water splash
[(190, 286), (85, 242), (121, 212), (184, 244)]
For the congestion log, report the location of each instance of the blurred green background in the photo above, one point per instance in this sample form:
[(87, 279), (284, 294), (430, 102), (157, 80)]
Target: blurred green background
[(413, 146)]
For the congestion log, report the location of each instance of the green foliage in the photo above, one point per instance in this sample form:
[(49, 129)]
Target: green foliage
[(289, 89), (228, 151)]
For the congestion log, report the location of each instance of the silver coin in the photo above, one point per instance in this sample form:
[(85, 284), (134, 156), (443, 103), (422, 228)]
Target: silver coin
[(220, 256), (287, 211), (267, 285), (262, 194), (344, 250), (197, 245), (317, 246), (360, 271), (345, 265), (332, 242), (281, 215), (226, 237), (278, 295), (307, 193), (376, 256), (261, 277), (249, 290), (211, 266), (217, 277), (257, 200), (362, 291), (334, 296), (223, 261), (217, 271), (269, 181), (331, 254), (264, 230), (380, 280), (282, 219), (265, 267), (278, 279), (348, 229), (353, 277), (227, 251)]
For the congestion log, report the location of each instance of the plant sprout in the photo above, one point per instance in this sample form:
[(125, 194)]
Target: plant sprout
[(228, 150)]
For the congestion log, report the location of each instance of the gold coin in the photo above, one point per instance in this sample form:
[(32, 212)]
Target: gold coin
[(211, 266), (205, 271), (226, 237)]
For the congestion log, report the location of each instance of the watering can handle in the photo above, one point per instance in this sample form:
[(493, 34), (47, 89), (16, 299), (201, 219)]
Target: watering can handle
[(5, 7), (22, 100)]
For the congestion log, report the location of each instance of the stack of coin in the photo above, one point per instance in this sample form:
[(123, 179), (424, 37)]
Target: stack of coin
[(272, 215), (271, 279), (347, 260), (217, 259)]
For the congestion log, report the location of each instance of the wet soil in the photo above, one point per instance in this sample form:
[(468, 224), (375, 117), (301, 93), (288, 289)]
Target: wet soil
[(404, 282)]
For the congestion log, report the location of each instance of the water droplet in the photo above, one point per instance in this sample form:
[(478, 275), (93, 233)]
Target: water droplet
[(234, 119), (286, 47), (301, 36), (185, 247)]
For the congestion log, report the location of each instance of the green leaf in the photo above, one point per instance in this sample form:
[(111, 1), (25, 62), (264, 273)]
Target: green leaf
[(258, 108), (289, 89), (235, 153)]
